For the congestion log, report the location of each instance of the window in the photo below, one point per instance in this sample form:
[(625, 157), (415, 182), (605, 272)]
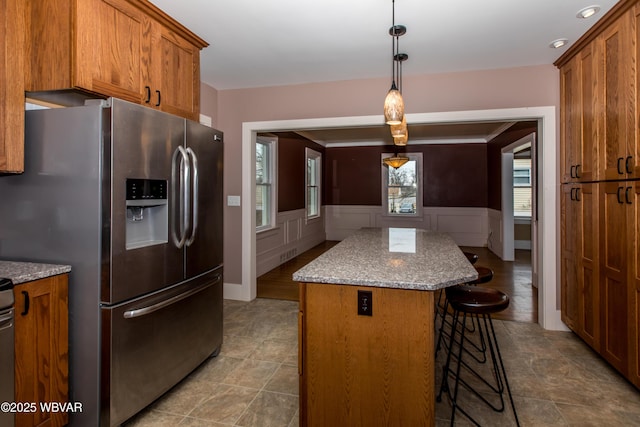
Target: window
[(402, 189), (522, 187), (521, 177), (265, 185), (313, 179)]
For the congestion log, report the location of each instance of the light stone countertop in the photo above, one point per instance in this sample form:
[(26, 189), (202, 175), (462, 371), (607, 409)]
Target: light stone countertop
[(20, 272), (404, 258)]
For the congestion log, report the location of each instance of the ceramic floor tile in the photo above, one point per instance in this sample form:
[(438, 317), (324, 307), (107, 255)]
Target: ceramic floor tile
[(555, 378), (285, 380), (225, 405), (270, 410), (150, 418), (251, 373)]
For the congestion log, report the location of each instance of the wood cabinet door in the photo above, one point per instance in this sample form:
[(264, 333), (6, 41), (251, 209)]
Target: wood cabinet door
[(570, 220), (586, 198), (614, 236), (41, 345), (112, 49), (617, 79), (177, 75), (569, 118), (586, 168), (579, 130), (634, 280), (12, 36)]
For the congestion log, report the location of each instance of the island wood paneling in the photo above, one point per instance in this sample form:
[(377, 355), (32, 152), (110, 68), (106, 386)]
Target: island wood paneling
[(366, 370)]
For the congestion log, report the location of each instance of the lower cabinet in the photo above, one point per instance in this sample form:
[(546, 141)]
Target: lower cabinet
[(579, 261), (41, 349), (366, 370), (600, 269)]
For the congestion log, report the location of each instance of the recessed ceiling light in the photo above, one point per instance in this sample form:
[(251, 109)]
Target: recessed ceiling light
[(558, 43), (588, 12)]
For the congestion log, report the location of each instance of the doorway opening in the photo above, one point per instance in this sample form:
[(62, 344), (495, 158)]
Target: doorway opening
[(548, 309)]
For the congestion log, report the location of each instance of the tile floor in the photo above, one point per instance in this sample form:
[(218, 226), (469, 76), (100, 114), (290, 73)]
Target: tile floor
[(555, 378)]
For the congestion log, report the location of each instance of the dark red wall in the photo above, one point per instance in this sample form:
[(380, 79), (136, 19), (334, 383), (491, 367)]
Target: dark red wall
[(455, 175), (292, 169)]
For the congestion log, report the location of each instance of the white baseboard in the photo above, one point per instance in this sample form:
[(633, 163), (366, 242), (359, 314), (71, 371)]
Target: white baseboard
[(522, 244), (234, 291)]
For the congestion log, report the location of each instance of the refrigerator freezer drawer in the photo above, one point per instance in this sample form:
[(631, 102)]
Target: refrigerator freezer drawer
[(150, 344)]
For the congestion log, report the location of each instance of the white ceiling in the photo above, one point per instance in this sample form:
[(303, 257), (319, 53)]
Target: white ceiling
[(279, 42), (257, 43)]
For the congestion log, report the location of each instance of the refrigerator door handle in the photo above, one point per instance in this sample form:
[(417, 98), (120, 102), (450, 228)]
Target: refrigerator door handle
[(194, 204), (180, 172), (139, 312)]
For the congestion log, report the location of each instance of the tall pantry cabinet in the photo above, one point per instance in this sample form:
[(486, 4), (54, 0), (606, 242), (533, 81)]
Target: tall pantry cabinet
[(600, 162)]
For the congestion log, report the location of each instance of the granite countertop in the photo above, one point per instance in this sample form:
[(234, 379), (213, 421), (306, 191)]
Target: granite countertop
[(405, 258), (20, 272)]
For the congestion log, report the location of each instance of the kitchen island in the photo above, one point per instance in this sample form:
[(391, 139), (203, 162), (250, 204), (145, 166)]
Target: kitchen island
[(366, 327)]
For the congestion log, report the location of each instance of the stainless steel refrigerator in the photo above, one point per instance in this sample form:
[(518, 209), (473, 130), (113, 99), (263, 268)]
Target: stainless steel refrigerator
[(131, 198)]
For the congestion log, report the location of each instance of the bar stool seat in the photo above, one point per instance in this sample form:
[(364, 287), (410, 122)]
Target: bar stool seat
[(471, 257), (485, 274), (471, 299), (478, 303)]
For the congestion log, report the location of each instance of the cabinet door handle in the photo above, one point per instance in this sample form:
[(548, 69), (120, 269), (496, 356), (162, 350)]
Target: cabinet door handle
[(26, 303), (572, 194), (578, 171), (626, 195), (619, 195), (578, 194), (159, 98), (627, 164), (571, 171), (148, 91), (620, 171)]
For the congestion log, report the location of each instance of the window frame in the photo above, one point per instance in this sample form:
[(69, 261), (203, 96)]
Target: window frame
[(316, 156), (272, 148), (417, 157)]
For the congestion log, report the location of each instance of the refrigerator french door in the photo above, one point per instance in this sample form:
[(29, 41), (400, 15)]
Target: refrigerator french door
[(131, 198)]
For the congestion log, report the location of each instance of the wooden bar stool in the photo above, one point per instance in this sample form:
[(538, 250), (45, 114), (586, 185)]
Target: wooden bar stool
[(480, 303)]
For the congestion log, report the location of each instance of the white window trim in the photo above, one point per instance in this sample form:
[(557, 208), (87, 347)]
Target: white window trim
[(272, 142), (317, 156), (385, 185)]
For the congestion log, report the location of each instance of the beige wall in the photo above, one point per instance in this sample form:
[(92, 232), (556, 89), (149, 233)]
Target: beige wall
[(477, 90)]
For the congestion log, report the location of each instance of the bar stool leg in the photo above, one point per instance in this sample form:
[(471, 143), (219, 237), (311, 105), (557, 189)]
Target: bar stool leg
[(499, 372), (502, 370)]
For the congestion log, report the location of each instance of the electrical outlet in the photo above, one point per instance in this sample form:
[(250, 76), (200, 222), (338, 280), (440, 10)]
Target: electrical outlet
[(365, 303)]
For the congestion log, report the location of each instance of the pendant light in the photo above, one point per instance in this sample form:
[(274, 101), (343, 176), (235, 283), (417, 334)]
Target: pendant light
[(393, 102), (395, 161)]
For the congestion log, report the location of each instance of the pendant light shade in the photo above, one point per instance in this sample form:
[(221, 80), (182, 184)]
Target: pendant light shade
[(396, 161), (400, 130), (393, 106), (401, 140)]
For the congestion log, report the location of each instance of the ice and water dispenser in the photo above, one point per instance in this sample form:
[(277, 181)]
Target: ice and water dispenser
[(147, 213)]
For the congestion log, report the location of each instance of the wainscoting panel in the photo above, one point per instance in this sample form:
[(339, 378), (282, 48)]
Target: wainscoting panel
[(495, 241), (293, 235), (467, 226)]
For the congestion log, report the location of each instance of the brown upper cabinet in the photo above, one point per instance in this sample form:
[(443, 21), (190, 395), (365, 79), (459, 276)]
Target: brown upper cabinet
[(12, 33), (128, 49)]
